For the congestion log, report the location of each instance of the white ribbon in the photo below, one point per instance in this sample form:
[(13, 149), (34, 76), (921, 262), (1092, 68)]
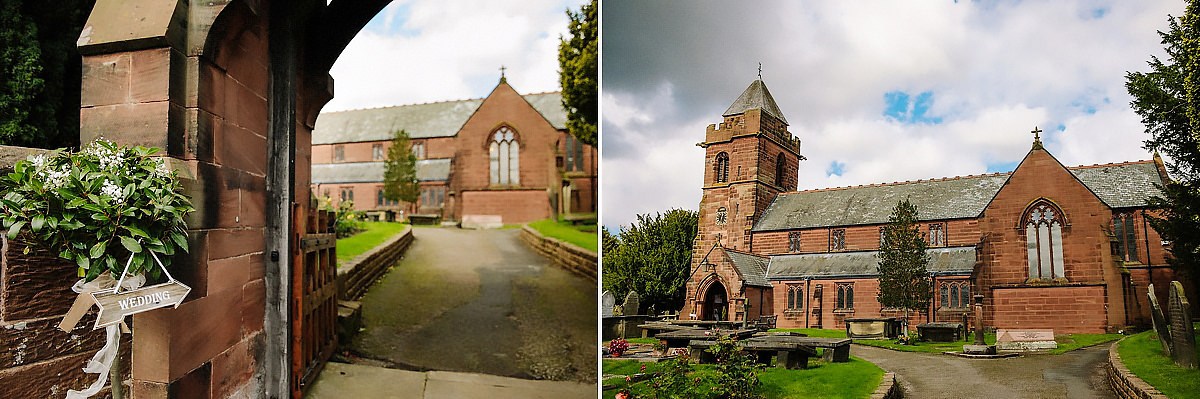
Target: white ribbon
[(102, 361)]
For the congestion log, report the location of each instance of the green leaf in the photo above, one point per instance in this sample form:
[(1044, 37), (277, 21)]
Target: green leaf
[(97, 250), (37, 223), (181, 240), (136, 231), (15, 228), (131, 244)]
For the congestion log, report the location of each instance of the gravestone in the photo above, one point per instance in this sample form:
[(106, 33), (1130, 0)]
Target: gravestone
[(1025, 340), (1183, 339), (607, 302), (630, 306), (980, 346), (1160, 322)]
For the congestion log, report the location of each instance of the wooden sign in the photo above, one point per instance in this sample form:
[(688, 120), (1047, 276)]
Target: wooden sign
[(115, 306)]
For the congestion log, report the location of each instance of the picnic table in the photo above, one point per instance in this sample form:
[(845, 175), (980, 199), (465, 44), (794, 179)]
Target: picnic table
[(680, 338), (836, 349), (789, 355)]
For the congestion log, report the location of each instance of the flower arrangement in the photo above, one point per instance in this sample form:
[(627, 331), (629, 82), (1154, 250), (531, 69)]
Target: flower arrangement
[(618, 347), (98, 207)]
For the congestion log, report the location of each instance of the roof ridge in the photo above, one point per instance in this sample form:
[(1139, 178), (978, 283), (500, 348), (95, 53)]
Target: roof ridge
[(403, 105), (1102, 165), (898, 183)]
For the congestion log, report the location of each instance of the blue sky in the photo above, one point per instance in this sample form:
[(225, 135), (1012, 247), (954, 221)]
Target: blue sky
[(877, 91)]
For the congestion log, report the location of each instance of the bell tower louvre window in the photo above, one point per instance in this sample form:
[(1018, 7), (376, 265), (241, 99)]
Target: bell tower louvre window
[(721, 168)]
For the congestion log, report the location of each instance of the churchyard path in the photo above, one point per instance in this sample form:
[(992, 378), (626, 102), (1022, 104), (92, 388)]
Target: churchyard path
[(1075, 374), (480, 301)]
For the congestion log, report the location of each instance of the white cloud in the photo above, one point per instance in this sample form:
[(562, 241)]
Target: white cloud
[(428, 51)]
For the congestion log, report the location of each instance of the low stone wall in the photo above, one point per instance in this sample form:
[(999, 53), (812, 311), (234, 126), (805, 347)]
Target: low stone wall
[(564, 254), (889, 388), (1124, 383), (356, 275)]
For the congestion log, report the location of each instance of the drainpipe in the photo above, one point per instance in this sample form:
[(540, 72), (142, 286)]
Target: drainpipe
[(808, 300), (1146, 237)]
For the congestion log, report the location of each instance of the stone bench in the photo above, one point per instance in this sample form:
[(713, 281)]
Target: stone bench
[(791, 356)]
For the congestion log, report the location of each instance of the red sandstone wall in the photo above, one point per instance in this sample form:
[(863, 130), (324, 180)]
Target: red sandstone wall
[(1064, 309), (514, 206), (959, 232), (1086, 251)]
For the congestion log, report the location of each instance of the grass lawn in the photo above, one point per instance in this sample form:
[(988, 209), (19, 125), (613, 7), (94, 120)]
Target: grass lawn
[(854, 379), (567, 232), (376, 233), (1143, 355)]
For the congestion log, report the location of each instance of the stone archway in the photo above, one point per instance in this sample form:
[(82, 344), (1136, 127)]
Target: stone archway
[(231, 90), (716, 302)]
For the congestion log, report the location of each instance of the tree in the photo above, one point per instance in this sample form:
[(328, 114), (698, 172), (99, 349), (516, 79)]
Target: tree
[(653, 257), (400, 173), (577, 59), (903, 275), (1168, 100)]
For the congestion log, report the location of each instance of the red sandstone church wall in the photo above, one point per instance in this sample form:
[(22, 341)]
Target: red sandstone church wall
[(1063, 309), (1087, 255), (959, 232), (514, 206)]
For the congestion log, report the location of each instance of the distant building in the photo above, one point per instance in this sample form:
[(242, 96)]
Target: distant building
[(1048, 246), (506, 156)]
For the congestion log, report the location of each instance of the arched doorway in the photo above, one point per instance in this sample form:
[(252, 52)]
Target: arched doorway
[(716, 302)]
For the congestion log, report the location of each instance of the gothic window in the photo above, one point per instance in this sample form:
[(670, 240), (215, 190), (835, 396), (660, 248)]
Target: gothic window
[(418, 150), (845, 296), (937, 235), (1043, 241), (721, 168), (505, 157), (722, 216), (347, 193), (376, 152), (955, 294), (837, 240), (574, 154), (795, 299), (381, 201), (793, 241), (779, 162), (1123, 228), (339, 153)]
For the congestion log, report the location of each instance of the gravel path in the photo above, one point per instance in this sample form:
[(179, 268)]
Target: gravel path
[(480, 301), (1075, 374)]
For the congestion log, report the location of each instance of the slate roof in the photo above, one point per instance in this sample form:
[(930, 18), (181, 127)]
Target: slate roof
[(942, 261), (372, 172), (441, 119), (752, 267), (755, 96), (1117, 185)]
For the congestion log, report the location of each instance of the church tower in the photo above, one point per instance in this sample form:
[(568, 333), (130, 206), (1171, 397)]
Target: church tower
[(749, 158)]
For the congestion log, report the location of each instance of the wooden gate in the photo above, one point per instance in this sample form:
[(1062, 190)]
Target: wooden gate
[(314, 295)]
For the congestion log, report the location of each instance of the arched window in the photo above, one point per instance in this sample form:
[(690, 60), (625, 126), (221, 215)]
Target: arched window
[(721, 168), (779, 162), (955, 294), (504, 153), (1043, 241), (418, 150)]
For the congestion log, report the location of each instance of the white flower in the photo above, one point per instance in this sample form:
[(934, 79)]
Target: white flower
[(57, 178), (161, 169), (112, 190), (38, 160)]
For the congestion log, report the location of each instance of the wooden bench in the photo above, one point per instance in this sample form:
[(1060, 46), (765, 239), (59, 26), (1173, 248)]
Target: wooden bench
[(791, 356), (835, 349)]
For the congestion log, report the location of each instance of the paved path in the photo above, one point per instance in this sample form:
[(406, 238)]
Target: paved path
[(480, 301), (340, 380), (1075, 374)]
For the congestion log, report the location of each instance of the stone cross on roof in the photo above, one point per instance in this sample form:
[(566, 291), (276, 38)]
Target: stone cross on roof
[(502, 78), (1037, 139)]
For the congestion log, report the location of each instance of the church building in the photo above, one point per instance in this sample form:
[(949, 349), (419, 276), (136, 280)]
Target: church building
[(505, 158), (1046, 245)]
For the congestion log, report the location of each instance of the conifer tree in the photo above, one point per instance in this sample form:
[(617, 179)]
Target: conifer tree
[(903, 273), (400, 173), (653, 257)]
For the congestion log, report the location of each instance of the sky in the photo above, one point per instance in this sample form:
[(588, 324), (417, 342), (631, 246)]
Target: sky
[(877, 91), (419, 51)]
